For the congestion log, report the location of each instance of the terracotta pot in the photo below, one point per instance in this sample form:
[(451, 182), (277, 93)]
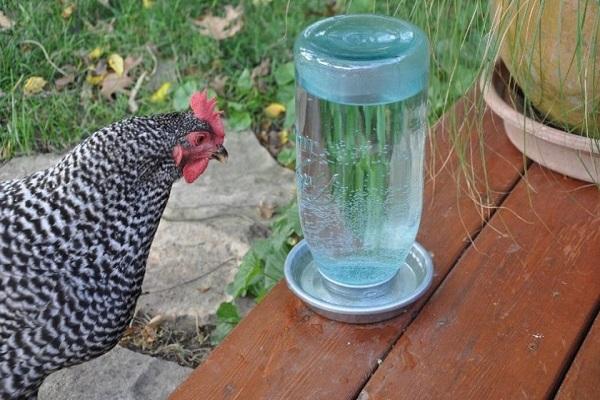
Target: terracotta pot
[(569, 154), (552, 50)]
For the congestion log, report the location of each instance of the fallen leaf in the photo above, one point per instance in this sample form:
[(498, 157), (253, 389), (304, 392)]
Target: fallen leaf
[(266, 209), (5, 22), (33, 85), (94, 80), (156, 321), (114, 83), (220, 28), (95, 54), (284, 136), (148, 3), (149, 336), (130, 63), (61, 83), (100, 67), (68, 11), (261, 69), (149, 333), (258, 74), (97, 74), (274, 110), (218, 84), (115, 61), (161, 94)]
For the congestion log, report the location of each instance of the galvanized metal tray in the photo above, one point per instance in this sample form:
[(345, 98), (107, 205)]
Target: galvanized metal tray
[(358, 304)]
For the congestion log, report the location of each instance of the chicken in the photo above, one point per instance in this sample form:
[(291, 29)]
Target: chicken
[(74, 239)]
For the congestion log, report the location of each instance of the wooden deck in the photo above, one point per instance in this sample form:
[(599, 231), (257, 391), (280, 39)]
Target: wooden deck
[(509, 315)]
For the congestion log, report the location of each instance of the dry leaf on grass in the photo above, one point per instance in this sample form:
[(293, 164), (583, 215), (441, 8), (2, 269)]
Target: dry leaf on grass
[(284, 136), (63, 82), (95, 80), (115, 61), (68, 11), (266, 209), (261, 69), (220, 28), (114, 83), (150, 330), (161, 94), (33, 85), (97, 74), (156, 321), (218, 84), (5, 22), (274, 110), (95, 54)]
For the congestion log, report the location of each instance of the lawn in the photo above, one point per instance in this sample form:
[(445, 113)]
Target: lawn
[(75, 45), (53, 36)]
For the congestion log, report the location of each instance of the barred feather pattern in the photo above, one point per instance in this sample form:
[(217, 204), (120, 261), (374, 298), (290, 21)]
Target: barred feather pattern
[(74, 240)]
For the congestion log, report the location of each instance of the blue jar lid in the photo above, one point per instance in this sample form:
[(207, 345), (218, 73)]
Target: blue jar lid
[(362, 59)]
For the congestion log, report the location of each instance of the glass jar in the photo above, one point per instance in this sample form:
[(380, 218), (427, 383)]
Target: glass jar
[(361, 126)]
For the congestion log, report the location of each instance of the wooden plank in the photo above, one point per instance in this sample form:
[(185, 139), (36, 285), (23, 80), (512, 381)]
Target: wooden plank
[(509, 317), (281, 350), (583, 379)]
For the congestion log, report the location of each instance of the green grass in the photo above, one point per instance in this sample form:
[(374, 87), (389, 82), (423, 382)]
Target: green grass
[(53, 120)]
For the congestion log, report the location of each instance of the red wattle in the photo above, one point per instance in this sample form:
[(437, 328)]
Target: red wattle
[(193, 169)]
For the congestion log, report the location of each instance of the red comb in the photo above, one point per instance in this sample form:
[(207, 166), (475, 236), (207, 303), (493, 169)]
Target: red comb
[(204, 109)]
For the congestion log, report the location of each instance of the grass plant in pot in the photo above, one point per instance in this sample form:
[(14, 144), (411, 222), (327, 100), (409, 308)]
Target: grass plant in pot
[(548, 93)]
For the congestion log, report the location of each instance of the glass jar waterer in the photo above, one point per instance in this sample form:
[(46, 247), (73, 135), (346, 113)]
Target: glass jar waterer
[(361, 126)]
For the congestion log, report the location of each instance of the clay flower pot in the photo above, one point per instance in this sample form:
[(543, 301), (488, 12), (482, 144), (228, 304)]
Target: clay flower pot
[(567, 153), (552, 51)]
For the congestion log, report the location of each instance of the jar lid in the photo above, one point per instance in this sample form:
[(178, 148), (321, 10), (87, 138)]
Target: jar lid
[(362, 59)]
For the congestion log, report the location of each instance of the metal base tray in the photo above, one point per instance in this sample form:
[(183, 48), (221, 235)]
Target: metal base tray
[(358, 304)]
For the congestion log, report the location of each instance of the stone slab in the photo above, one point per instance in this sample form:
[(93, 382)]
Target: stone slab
[(120, 374)]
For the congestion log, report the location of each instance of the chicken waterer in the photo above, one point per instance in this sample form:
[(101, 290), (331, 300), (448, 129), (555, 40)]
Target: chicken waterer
[(361, 124)]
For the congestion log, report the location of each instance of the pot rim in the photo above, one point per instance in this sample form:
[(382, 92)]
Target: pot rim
[(531, 126)]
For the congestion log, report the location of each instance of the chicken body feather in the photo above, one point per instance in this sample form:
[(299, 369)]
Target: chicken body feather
[(74, 240)]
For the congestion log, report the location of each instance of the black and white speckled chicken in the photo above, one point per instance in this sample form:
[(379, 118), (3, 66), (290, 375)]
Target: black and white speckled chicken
[(74, 239)]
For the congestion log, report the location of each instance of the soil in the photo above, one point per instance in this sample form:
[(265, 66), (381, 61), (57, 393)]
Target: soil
[(156, 339)]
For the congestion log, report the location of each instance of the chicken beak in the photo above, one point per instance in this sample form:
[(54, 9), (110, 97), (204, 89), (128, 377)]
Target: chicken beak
[(221, 154)]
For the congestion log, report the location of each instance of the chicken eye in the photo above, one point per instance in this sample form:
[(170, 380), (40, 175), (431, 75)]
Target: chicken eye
[(200, 139)]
